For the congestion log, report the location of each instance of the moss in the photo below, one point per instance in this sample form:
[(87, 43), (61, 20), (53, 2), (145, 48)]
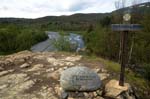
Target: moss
[(109, 65)]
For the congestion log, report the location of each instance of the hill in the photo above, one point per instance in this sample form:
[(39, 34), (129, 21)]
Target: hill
[(73, 22)]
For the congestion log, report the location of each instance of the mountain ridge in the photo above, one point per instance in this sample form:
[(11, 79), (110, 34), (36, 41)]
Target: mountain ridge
[(138, 5)]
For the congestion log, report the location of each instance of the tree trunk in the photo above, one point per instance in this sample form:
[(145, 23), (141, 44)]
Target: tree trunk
[(131, 50)]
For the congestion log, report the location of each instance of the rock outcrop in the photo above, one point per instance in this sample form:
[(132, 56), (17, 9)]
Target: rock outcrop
[(28, 75)]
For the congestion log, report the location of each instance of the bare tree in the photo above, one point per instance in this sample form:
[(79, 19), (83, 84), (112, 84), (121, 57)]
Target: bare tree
[(120, 4), (134, 15), (117, 4), (135, 2), (123, 2)]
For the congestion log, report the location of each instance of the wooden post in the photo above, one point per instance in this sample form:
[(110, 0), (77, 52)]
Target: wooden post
[(124, 37)]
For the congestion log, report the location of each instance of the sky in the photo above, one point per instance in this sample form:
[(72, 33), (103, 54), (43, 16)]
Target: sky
[(41, 8)]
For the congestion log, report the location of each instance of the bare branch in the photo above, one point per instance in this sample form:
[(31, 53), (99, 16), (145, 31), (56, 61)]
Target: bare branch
[(123, 2), (135, 2), (120, 4), (117, 4)]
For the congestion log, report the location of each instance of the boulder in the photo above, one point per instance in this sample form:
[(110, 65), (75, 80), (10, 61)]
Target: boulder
[(79, 79), (73, 58), (55, 75), (99, 97), (25, 65), (64, 95), (3, 73), (19, 61), (113, 90), (104, 76), (59, 62), (36, 67)]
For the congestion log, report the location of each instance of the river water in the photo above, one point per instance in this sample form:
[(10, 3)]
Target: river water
[(48, 45)]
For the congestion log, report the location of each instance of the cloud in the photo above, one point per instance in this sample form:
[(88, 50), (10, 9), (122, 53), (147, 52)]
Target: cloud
[(40, 8), (79, 5)]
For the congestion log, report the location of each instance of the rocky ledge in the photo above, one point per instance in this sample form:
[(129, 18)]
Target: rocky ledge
[(27, 75)]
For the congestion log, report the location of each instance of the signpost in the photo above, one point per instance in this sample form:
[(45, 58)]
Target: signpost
[(124, 28)]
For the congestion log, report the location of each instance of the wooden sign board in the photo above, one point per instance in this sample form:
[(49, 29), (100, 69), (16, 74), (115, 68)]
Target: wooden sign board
[(126, 27)]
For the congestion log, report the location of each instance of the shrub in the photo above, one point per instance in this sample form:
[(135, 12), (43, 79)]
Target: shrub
[(14, 38), (147, 71), (63, 44)]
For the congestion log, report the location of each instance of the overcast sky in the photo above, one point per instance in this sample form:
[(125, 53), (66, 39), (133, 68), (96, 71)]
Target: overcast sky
[(40, 8)]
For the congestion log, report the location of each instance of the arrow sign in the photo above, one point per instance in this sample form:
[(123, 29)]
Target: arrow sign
[(126, 27)]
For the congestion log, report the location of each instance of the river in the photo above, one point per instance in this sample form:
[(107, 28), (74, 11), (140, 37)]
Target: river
[(48, 45)]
